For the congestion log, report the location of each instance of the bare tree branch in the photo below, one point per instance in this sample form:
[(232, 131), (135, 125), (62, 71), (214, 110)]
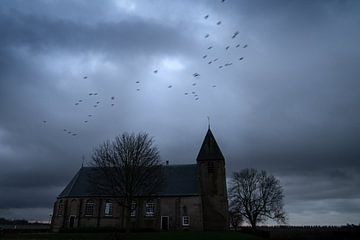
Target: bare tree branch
[(257, 196)]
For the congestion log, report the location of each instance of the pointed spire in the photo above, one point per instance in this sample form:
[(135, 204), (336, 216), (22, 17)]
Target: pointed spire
[(209, 149), (208, 122)]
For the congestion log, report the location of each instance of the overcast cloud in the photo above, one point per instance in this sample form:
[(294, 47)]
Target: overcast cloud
[(289, 107)]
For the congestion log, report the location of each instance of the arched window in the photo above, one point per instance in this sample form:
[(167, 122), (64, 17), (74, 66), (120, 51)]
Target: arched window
[(133, 209), (60, 210), (89, 208), (108, 208)]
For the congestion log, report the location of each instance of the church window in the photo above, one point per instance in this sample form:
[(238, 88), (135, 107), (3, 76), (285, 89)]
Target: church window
[(108, 208), (60, 211), (211, 167), (133, 209), (186, 221), (149, 209), (184, 210), (89, 208)]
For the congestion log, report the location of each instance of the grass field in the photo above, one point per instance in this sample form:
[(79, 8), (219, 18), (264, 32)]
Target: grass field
[(137, 236)]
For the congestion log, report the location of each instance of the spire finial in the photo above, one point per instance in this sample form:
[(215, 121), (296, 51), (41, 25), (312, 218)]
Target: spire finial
[(83, 159), (208, 122)]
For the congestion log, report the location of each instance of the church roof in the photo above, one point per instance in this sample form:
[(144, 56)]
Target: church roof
[(209, 149), (180, 180)]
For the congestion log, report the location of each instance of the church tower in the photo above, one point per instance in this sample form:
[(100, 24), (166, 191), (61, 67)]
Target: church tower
[(211, 165)]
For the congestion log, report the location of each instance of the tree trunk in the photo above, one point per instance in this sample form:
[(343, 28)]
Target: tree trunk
[(253, 224), (128, 216)]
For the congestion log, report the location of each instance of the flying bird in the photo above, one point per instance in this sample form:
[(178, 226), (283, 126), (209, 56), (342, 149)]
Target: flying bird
[(196, 98), (210, 62), (85, 121), (241, 58), (90, 94), (222, 1), (194, 84), (220, 66), (44, 121), (210, 47), (186, 93), (95, 105), (77, 103), (138, 89), (85, 77), (215, 59), (97, 102), (95, 94), (227, 47), (112, 104), (204, 56), (218, 23), (193, 92), (228, 64), (65, 130), (170, 86), (207, 35), (112, 98), (69, 132), (156, 71), (245, 46), (137, 82), (213, 85), (74, 134), (89, 115), (196, 75), (207, 16), (237, 45), (235, 34)]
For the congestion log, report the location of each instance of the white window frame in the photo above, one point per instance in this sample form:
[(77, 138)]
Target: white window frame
[(108, 210), (150, 209), (186, 220), (88, 204)]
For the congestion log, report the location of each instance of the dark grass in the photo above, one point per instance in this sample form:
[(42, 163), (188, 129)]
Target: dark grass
[(136, 236)]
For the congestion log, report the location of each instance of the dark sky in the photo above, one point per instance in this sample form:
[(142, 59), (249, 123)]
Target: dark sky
[(289, 107)]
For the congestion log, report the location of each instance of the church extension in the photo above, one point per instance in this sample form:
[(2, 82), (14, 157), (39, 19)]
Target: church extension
[(194, 197)]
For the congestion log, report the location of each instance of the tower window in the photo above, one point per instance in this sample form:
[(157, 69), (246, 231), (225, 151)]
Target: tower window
[(211, 167)]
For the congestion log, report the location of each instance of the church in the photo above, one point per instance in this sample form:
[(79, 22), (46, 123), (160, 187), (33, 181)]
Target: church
[(193, 197)]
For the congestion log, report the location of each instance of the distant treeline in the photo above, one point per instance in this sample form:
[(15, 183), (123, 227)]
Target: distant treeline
[(314, 227), (4, 221)]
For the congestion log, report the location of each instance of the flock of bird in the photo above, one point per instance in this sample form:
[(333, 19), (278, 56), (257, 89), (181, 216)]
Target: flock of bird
[(215, 60), (211, 61)]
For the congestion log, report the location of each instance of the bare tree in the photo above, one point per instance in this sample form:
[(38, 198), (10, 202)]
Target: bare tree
[(257, 196), (129, 167)]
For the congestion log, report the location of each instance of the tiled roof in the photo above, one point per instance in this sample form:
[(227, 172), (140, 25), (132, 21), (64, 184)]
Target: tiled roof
[(180, 180)]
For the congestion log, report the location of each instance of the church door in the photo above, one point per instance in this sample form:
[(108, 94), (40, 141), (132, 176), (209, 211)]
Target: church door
[(164, 223), (71, 221)]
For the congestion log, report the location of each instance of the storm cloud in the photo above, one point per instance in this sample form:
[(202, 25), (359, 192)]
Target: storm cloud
[(289, 107)]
